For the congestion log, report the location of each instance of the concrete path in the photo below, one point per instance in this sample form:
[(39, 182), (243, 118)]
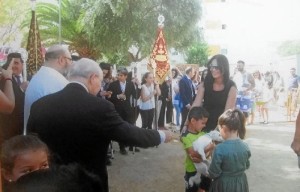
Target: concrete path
[(274, 166)]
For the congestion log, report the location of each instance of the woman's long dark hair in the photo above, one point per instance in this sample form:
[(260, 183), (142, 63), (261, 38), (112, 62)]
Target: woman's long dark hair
[(223, 64)]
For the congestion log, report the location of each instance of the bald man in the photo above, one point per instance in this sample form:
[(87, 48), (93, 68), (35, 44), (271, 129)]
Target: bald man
[(49, 79), (77, 126)]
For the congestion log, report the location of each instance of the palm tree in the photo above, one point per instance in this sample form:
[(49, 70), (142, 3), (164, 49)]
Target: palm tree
[(73, 32), (109, 28)]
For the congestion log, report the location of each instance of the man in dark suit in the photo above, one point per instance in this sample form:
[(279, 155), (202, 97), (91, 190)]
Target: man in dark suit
[(77, 126), (12, 124), (132, 77), (122, 91), (187, 93), (166, 103)]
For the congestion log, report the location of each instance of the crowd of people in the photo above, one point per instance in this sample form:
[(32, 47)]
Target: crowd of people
[(76, 124), (61, 123)]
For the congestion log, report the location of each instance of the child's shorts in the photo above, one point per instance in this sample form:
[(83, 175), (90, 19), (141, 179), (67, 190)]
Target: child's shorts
[(205, 182)]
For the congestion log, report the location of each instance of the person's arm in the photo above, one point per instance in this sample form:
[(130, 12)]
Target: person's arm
[(113, 96), (144, 97), (157, 90), (296, 142), (196, 157), (193, 155), (7, 97), (115, 128), (200, 94), (215, 169), (231, 99)]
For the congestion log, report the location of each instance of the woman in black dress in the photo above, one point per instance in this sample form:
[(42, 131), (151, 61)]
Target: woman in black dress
[(217, 93)]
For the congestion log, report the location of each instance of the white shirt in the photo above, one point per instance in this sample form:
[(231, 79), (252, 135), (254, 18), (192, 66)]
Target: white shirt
[(149, 104), (46, 81), (175, 86), (241, 80), (123, 86)]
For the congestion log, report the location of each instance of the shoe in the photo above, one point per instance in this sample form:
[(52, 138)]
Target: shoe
[(266, 122), (123, 151)]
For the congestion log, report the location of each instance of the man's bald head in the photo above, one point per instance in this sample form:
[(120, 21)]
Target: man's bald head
[(55, 51), (84, 67), (87, 72), (58, 58)]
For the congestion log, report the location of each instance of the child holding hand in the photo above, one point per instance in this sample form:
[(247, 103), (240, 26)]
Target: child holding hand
[(197, 119), (230, 158)]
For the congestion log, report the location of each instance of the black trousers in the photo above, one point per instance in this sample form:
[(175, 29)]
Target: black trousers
[(169, 112), (147, 118), (126, 113), (163, 113), (184, 114), (136, 112)]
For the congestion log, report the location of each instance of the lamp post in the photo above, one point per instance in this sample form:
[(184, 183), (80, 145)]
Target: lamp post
[(59, 21), (33, 2)]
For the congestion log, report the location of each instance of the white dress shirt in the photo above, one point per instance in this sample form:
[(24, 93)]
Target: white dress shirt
[(123, 86), (46, 81)]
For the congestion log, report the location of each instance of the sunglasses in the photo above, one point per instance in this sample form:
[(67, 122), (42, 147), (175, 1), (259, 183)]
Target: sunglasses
[(215, 68)]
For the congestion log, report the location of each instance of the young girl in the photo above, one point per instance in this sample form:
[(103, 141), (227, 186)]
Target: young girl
[(267, 97), (23, 154), (147, 104), (175, 95), (230, 158)]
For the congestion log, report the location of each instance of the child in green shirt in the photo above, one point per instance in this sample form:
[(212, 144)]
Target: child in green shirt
[(197, 119)]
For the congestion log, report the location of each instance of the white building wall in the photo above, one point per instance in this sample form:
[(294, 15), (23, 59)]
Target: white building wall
[(252, 28)]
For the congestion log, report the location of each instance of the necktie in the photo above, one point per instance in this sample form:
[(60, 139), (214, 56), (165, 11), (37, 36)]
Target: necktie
[(192, 88), (18, 78)]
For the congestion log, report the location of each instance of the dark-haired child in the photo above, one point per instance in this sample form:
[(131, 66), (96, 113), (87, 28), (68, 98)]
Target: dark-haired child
[(23, 154), (231, 158), (63, 178), (197, 119)]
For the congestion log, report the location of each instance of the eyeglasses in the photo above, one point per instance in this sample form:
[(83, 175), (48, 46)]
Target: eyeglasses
[(214, 68)]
